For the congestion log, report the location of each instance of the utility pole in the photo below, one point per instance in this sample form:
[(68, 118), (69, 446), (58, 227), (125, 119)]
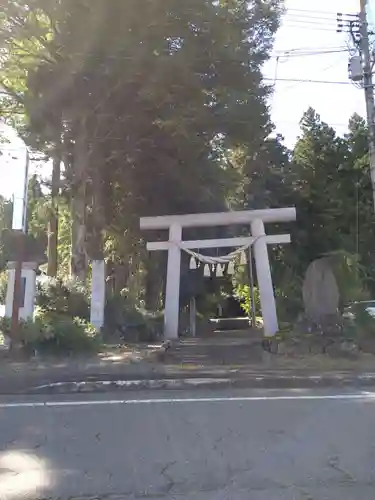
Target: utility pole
[(369, 89), (360, 71)]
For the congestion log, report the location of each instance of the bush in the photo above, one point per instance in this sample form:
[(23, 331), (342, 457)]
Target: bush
[(242, 294), (155, 324), (51, 333), (133, 324), (29, 331), (68, 298), (60, 323), (360, 323), (64, 335), (350, 277)]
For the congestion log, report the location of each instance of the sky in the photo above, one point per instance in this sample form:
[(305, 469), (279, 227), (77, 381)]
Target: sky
[(311, 26), (308, 27), (12, 164)]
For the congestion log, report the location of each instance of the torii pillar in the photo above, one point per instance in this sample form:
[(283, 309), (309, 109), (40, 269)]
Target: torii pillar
[(255, 219)]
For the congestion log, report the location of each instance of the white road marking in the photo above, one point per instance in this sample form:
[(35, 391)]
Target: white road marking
[(244, 399)]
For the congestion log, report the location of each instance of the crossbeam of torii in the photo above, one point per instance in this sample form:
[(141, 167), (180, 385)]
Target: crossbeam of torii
[(256, 220)]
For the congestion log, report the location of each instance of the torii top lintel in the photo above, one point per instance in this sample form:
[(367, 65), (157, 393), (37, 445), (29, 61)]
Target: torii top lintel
[(219, 218)]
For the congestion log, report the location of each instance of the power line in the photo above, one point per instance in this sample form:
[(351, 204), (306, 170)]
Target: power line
[(290, 54), (310, 25), (290, 87), (318, 20), (324, 12), (311, 19), (315, 48), (312, 48), (330, 24), (318, 17), (301, 80), (310, 28)]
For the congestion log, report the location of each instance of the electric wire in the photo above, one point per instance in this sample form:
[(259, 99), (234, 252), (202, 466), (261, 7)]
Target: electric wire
[(301, 80), (312, 20), (296, 84), (309, 12), (290, 54)]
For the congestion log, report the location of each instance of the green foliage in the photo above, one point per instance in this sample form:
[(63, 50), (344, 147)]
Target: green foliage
[(55, 334), (64, 240), (190, 75), (35, 240), (68, 297), (119, 310), (327, 179), (27, 329), (364, 323), (168, 105), (121, 315), (349, 275), (359, 324), (65, 335), (289, 301), (6, 210), (243, 295), (241, 290)]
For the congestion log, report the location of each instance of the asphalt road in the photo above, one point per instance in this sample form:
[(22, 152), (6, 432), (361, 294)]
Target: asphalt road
[(237, 445)]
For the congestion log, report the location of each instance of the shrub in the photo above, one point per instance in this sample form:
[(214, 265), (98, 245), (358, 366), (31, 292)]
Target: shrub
[(69, 298), (360, 324), (52, 333), (350, 276), (155, 324), (132, 323), (242, 294), (64, 335)]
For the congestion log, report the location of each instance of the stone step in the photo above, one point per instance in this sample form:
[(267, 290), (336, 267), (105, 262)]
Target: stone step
[(222, 351)]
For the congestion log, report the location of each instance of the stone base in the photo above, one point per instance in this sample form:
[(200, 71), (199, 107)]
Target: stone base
[(328, 326)]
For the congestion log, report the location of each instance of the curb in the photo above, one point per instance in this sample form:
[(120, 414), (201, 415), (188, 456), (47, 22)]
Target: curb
[(261, 382)]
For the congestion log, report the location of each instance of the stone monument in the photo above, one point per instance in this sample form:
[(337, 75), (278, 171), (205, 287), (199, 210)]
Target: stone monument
[(320, 291)]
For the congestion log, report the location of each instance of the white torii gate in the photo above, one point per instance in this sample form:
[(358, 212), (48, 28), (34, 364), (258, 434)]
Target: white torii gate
[(256, 219)]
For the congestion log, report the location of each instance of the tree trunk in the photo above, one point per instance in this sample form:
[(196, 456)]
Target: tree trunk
[(110, 279), (95, 230), (97, 216), (153, 284), (53, 223), (78, 265)]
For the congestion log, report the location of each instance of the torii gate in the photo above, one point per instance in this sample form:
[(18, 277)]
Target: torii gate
[(256, 220)]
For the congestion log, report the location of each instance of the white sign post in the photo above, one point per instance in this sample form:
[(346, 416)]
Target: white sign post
[(97, 293), (26, 306), (19, 224), (256, 219), (19, 220)]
